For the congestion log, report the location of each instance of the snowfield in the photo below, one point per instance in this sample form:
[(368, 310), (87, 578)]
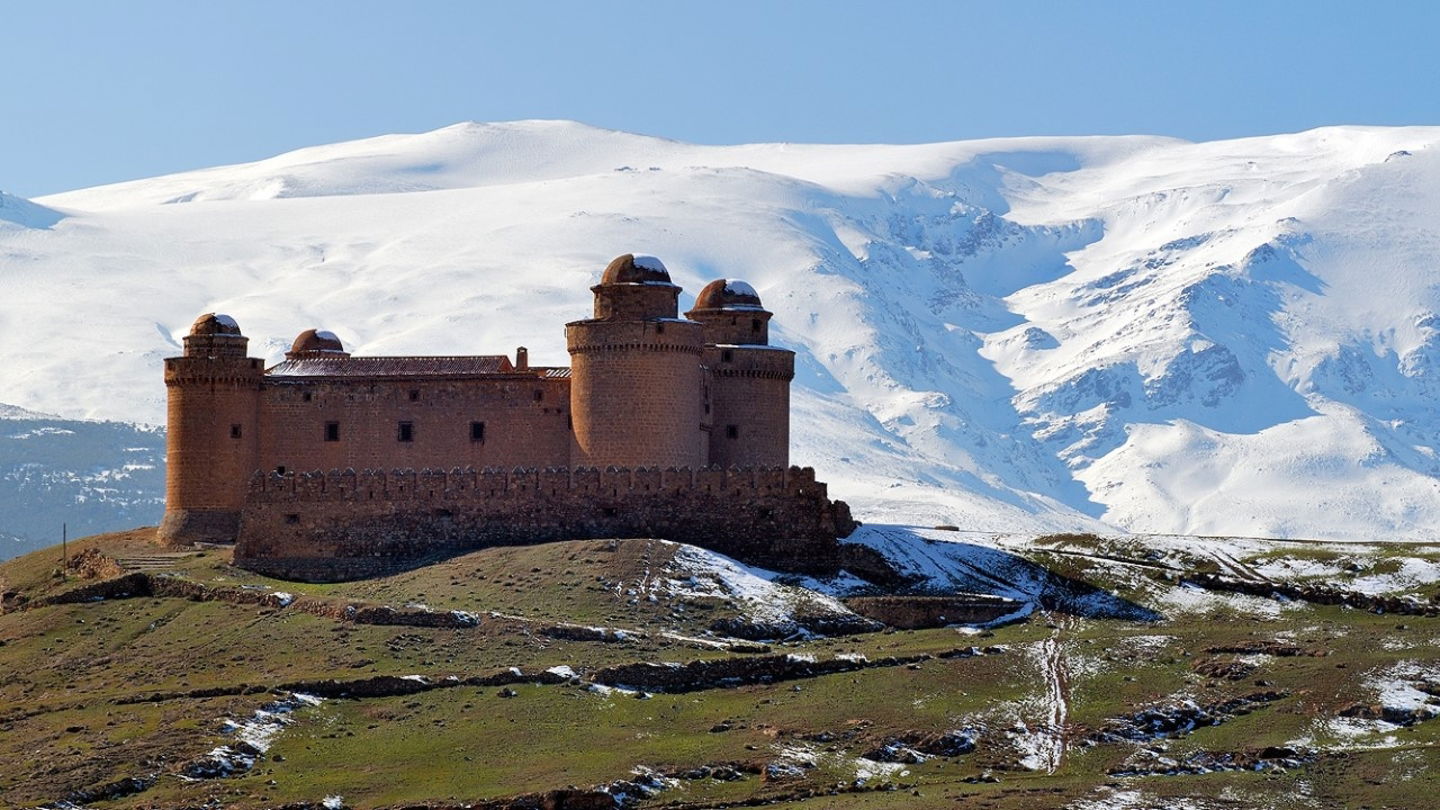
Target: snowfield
[(1031, 334)]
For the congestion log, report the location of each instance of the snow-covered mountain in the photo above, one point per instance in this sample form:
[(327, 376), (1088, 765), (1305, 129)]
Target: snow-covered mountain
[(85, 475), (1236, 337)]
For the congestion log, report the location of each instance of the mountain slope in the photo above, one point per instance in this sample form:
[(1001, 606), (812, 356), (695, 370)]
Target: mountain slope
[(1035, 333)]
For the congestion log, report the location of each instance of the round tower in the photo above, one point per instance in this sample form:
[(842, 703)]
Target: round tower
[(635, 374), (213, 393), (749, 378)]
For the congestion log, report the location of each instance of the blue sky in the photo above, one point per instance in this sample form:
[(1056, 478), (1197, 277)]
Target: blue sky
[(97, 92)]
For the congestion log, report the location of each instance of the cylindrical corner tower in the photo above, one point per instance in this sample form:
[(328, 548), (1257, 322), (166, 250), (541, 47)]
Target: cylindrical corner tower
[(213, 394), (635, 373), (750, 379)]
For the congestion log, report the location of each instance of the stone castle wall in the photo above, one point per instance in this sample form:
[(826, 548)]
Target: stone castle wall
[(342, 525)]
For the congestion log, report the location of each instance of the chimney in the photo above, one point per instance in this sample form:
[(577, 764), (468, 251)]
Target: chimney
[(522, 358)]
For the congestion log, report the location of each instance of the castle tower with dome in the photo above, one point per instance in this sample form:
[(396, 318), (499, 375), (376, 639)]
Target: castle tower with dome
[(330, 465)]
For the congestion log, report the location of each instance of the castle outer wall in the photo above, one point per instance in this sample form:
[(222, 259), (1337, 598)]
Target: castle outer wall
[(345, 525)]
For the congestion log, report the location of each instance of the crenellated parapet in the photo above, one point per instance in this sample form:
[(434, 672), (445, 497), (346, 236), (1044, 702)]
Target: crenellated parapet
[(490, 483), (347, 523)]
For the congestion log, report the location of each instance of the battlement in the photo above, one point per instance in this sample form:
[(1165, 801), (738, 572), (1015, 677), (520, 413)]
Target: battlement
[(469, 484), (343, 523)]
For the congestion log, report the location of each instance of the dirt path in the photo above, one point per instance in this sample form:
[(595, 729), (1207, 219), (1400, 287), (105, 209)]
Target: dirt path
[(1050, 738)]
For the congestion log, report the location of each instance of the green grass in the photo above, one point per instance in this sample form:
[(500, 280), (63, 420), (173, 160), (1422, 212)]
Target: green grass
[(63, 669)]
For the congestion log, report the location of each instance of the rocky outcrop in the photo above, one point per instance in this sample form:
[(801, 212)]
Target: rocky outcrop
[(1315, 593)]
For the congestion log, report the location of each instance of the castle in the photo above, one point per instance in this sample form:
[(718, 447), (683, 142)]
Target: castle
[(662, 426)]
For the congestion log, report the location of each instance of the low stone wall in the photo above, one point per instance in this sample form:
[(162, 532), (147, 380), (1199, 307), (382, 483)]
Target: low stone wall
[(916, 612), (347, 525)]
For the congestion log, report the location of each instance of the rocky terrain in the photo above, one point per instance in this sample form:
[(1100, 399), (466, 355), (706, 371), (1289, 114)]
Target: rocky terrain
[(1186, 672)]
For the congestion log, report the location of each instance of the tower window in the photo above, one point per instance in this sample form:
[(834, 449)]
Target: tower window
[(659, 328), (754, 324), (307, 396), (292, 518), (414, 394), (332, 431), (539, 396), (726, 356), (732, 431), (405, 432), (280, 470), (477, 432), (234, 431)]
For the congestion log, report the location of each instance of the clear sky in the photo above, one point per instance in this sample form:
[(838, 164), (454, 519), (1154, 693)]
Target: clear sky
[(96, 92)]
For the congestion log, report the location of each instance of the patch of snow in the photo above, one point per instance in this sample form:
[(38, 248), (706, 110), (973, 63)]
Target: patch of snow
[(562, 671), (736, 287), (651, 263), (253, 737), (697, 572)]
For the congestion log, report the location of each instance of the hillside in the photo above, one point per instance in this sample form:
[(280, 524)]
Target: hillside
[(92, 476), (1029, 334), (1198, 672)]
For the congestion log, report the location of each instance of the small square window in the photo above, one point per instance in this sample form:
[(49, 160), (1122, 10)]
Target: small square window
[(280, 470), (732, 431), (332, 431), (405, 432), (307, 396), (414, 394), (726, 356), (234, 431), (477, 432), (755, 325), (539, 396), (659, 328), (292, 518)]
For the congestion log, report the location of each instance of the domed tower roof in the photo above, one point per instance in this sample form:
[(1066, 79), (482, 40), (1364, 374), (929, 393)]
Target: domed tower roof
[(632, 269), (728, 294), (316, 341), (215, 324)]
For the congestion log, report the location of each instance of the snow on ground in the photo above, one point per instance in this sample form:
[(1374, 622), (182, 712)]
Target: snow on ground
[(253, 737), (697, 572), (1395, 688), (1029, 334)]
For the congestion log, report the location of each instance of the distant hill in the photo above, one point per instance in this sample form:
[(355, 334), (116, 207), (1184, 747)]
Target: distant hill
[(93, 476)]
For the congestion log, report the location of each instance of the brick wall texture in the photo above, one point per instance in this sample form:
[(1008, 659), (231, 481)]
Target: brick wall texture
[(344, 524)]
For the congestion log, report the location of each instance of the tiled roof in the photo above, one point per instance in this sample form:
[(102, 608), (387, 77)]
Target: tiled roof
[(393, 366), (553, 371)]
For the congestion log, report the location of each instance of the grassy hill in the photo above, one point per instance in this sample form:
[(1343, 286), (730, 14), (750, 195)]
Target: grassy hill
[(133, 677)]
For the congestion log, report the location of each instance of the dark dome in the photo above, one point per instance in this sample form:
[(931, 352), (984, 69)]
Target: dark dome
[(214, 324), (316, 340), (632, 269), (728, 294)]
